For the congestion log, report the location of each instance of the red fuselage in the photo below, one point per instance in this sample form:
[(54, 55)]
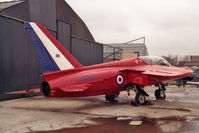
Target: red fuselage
[(108, 78)]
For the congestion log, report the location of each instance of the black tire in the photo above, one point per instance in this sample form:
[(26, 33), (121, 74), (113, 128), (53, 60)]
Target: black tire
[(110, 97), (160, 94), (157, 94), (117, 94), (140, 99)]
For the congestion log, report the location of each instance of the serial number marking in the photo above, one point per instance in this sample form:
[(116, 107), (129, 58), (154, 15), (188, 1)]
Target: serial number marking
[(86, 78)]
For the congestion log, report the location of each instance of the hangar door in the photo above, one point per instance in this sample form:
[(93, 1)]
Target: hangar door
[(63, 30), (86, 52)]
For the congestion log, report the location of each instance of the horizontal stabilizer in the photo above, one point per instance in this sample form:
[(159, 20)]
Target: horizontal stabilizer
[(24, 91)]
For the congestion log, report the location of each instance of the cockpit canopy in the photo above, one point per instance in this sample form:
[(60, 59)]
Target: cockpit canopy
[(195, 68), (156, 60)]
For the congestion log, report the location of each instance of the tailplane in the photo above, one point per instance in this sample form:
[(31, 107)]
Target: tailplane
[(52, 55)]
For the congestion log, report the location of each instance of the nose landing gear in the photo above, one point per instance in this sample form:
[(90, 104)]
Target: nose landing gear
[(160, 92), (140, 94)]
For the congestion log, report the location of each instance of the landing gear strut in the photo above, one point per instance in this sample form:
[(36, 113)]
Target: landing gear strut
[(160, 92), (140, 94)]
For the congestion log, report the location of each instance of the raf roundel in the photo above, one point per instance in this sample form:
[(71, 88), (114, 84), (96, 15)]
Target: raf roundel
[(119, 79)]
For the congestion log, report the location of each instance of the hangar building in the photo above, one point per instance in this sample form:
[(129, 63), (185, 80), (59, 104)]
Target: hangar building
[(130, 49), (192, 61), (19, 65)]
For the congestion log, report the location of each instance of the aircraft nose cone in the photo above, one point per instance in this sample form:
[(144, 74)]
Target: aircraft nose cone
[(187, 71)]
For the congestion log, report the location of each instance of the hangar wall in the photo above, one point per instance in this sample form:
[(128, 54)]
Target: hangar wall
[(64, 32), (79, 48), (19, 65), (65, 13)]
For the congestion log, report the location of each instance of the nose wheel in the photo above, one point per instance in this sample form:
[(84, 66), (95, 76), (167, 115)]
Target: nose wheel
[(160, 92)]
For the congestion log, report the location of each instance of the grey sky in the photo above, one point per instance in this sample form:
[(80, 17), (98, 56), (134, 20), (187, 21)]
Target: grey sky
[(170, 26)]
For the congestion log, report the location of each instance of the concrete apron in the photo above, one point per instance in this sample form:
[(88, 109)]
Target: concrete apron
[(42, 114)]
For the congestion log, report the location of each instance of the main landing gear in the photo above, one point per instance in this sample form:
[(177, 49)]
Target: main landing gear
[(140, 95), (160, 92)]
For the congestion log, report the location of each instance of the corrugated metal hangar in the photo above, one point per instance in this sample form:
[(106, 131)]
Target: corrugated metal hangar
[(19, 65)]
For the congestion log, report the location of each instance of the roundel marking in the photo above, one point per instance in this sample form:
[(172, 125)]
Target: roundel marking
[(119, 79)]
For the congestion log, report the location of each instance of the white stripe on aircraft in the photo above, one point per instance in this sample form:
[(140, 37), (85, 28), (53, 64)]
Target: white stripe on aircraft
[(60, 60)]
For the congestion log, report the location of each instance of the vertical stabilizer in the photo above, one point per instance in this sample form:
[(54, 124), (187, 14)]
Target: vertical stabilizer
[(52, 55)]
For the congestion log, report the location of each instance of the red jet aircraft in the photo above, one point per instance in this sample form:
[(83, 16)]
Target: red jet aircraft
[(65, 77)]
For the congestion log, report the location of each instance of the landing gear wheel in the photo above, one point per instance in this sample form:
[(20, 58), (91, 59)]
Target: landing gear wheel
[(111, 98), (160, 94), (140, 99)]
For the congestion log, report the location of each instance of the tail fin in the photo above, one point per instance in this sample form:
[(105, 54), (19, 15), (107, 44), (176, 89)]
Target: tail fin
[(52, 55)]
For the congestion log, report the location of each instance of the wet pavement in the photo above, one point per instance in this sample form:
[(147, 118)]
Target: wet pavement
[(188, 124), (179, 113), (108, 125)]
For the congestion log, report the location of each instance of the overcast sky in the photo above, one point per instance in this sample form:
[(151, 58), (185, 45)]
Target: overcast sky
[(170, 26)]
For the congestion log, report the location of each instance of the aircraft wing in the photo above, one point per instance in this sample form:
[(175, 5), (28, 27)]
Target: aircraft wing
[(156, 70), (160, 73), (75, 88)]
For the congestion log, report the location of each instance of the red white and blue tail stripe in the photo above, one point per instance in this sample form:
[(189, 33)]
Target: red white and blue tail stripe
[(52, 55)]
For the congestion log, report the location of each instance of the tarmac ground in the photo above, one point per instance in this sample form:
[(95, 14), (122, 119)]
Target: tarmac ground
[(178, 113)]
